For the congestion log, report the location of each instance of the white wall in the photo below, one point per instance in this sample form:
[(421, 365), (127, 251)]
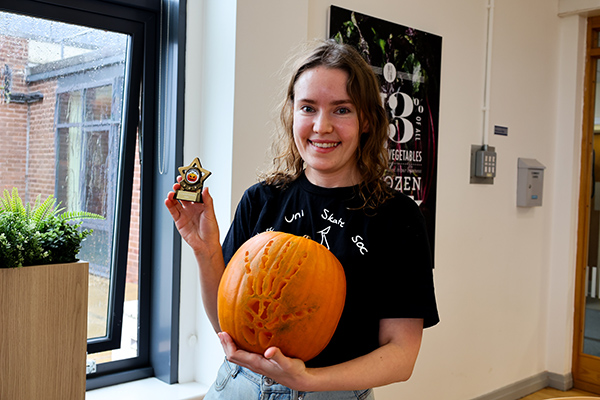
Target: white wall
[(504, 275)]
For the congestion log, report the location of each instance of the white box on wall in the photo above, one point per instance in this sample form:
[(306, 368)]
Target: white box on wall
[(530, 182)]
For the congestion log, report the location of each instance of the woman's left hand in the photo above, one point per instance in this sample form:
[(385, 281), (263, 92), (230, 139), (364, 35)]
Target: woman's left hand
[(290, 372)]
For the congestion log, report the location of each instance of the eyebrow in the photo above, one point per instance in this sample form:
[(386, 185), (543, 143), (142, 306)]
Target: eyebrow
[(335, 102)]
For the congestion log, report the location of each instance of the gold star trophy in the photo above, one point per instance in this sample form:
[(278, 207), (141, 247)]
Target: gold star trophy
[(193, 177)]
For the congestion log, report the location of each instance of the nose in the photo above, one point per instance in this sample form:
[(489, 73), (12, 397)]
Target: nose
[(322, 123)]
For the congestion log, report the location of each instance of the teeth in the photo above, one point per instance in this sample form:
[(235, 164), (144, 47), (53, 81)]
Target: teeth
[(324, 145)]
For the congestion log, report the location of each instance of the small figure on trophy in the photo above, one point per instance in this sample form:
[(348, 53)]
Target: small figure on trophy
[(193, 177)]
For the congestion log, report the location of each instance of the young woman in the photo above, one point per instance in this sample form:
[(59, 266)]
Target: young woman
[(326, 182)]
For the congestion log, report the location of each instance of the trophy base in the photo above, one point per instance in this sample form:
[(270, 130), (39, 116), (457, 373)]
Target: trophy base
[(196, 197)]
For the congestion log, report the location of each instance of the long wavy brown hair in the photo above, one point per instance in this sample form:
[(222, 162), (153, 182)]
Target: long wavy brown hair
[(363, 89)]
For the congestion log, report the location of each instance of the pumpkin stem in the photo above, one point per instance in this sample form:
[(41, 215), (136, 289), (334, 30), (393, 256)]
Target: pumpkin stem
[(306, 236)]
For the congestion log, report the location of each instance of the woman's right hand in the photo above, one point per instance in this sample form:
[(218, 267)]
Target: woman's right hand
[(196, 222)]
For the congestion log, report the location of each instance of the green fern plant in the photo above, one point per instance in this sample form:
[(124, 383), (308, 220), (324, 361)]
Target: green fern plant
[(40, 233)]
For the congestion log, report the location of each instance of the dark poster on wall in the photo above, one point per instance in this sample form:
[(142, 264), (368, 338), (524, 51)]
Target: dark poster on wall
[(408, 64)]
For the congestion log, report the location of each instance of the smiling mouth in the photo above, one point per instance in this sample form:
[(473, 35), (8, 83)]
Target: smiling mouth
[(326, 145)]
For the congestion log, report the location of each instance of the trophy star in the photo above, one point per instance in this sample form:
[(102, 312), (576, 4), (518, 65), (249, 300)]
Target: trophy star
[(204, 173)]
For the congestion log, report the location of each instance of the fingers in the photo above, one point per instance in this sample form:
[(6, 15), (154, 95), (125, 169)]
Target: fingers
[(273, 353), (273, 363), (237, 356), (177, 185), (228, 344), (275, 356), (252, 360), (170, 201), (173, 205), (208, 202)]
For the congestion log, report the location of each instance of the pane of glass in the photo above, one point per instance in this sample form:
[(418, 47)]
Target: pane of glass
[(591, 335), (129, 336), (66, 162), (61, 97), (96, 179), (69, 107), (98, 103)]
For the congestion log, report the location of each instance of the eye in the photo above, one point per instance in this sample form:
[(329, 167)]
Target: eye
[(343, 110), (307, 109)]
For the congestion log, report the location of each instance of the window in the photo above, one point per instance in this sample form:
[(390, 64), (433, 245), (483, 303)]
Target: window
[(79, 83), (88, 126)]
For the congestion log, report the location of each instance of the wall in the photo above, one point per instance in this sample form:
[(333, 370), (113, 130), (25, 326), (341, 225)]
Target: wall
[(14, 118), (20, 119), (504, 275)]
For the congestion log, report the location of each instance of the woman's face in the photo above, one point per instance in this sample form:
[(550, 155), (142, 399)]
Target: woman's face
[(326, 128)]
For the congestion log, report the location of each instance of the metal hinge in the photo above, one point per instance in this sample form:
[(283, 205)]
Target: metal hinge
[(90, 367)]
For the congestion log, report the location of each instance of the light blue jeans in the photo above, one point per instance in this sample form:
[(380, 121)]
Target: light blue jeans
[(237, 383)]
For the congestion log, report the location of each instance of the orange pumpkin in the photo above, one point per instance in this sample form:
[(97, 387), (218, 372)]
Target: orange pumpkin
[(282, 290)]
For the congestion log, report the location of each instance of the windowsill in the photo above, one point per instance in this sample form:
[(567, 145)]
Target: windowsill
[(149, 389)]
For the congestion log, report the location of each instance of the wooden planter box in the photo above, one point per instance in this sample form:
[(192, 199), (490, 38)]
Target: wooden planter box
[(43, 332)]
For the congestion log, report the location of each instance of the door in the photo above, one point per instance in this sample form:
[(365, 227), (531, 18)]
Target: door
[(586, 341)]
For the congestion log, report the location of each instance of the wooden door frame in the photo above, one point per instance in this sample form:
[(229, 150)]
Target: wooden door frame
[(586, 368)]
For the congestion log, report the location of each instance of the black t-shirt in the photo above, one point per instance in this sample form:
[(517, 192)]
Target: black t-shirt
[(385, 254)]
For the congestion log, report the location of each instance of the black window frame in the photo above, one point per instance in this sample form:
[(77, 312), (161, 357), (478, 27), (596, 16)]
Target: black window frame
[(157, 54), (112, 126)]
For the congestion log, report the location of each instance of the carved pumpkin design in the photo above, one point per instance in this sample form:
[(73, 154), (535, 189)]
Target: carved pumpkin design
[(282, 290)]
